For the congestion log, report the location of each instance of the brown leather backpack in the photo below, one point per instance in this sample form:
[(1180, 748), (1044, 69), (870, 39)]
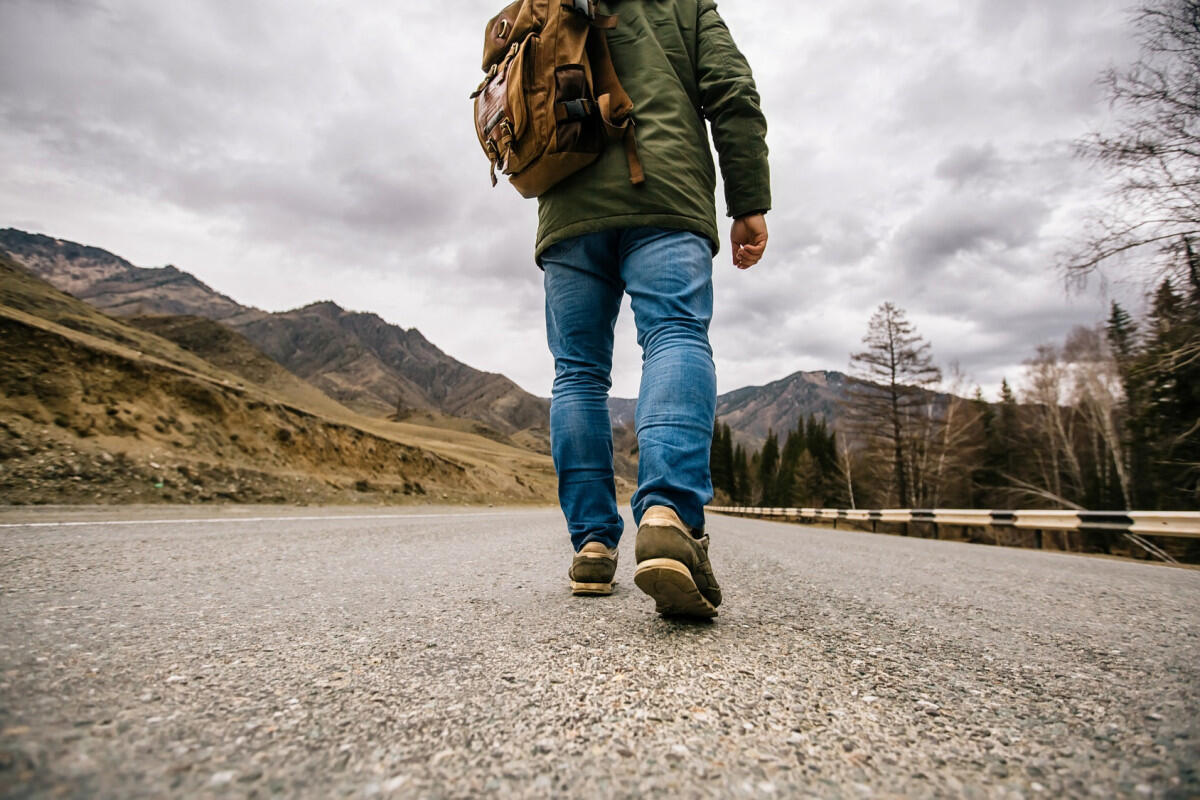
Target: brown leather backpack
[(551, 100)]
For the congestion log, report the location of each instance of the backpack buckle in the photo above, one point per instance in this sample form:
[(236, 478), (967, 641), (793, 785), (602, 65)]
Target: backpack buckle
[(583, 7), (570, 110)]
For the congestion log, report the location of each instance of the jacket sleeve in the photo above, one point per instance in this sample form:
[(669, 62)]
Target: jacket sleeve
[(730, 102)]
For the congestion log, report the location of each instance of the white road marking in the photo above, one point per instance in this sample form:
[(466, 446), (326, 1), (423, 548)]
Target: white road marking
[(215, 520)]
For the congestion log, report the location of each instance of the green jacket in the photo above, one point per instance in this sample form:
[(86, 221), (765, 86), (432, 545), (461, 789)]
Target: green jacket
[(678, 62)]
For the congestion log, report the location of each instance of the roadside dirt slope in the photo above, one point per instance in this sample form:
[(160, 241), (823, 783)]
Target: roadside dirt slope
[(359, 359), (94, 410)]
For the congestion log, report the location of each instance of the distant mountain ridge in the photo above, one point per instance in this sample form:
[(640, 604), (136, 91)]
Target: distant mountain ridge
[(752, 411), (357, 358), (111, 283)]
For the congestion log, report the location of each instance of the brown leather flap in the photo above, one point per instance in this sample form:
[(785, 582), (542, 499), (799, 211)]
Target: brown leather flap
[(503, 30)]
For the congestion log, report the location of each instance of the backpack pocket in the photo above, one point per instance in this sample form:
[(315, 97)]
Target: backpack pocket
[(518, 86), (575, 111), (526, 106), (501, 107)]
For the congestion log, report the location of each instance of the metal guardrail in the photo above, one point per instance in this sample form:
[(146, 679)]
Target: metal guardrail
[(1141, 523)]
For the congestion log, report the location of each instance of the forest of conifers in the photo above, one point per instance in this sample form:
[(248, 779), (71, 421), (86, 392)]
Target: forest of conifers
[(1110, 419)]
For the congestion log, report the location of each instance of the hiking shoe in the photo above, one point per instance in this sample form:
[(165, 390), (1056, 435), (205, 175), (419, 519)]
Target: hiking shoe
[(673, 566), (592, 570)]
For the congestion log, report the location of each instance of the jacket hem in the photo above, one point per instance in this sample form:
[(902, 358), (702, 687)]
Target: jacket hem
[(640, 220)]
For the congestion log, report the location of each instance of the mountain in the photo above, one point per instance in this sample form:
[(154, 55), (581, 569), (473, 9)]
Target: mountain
[(95, 409), (752, 411), (377, 368), (358, 359), (380, 368), (111, 283), (228, 350), (621, 411)]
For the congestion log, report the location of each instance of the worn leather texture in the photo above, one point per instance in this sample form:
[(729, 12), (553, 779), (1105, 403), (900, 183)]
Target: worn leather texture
[(540, 56)]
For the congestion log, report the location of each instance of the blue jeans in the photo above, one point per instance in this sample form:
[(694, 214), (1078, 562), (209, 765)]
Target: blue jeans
[(668, 275)]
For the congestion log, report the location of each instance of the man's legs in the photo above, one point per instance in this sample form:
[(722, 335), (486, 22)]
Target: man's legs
[(583, 297), (668, 275)]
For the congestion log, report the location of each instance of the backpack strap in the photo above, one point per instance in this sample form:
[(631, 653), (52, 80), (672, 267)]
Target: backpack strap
[(636, 176), (615, 105), (587, 9), (623, 130)]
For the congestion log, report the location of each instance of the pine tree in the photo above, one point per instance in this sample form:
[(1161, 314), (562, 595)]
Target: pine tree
[(717, 461), (1007, 430), (1170, 364), (808, 479), (1122, 334), (822, 444), (986, 476), (768, 466), (894, 376), (785, 481), (741, 477), (727, 459), (784, 493)]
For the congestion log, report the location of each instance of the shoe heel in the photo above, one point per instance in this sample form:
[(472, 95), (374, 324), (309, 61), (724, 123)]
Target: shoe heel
[(673, 588), (591, 589)]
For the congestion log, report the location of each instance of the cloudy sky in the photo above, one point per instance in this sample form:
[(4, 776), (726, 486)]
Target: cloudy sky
[(290, 152)]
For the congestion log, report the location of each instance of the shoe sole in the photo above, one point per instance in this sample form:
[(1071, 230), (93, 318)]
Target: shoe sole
[(591, 589), (673, 588)]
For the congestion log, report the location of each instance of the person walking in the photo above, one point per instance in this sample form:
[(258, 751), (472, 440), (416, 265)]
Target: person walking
[(600, 236)]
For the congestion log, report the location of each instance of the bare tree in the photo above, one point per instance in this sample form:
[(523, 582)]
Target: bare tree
[(955, 451), (1098, 396), (1076, 412), (1154, 152), (894, 379), (1051, 434), (846, 465)]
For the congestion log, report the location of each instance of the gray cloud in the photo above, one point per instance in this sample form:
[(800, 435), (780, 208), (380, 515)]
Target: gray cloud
[(967, 163), (285, 152), (957, 225)]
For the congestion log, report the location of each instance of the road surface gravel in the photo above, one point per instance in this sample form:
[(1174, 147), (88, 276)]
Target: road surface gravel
[(254, 652)]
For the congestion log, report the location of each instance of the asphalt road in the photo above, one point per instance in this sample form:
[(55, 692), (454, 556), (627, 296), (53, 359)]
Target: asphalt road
[(438, 653)]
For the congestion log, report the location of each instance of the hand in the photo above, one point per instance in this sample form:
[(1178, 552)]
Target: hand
[(749, 239)]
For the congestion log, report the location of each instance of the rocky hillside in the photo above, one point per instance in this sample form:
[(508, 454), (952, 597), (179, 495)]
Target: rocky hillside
[(228, 350), (111, 283), (93, 409), (359, 359), (380, 368), (751, 411)]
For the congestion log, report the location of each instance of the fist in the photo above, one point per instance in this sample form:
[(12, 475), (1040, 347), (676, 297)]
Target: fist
[(748, 238)]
